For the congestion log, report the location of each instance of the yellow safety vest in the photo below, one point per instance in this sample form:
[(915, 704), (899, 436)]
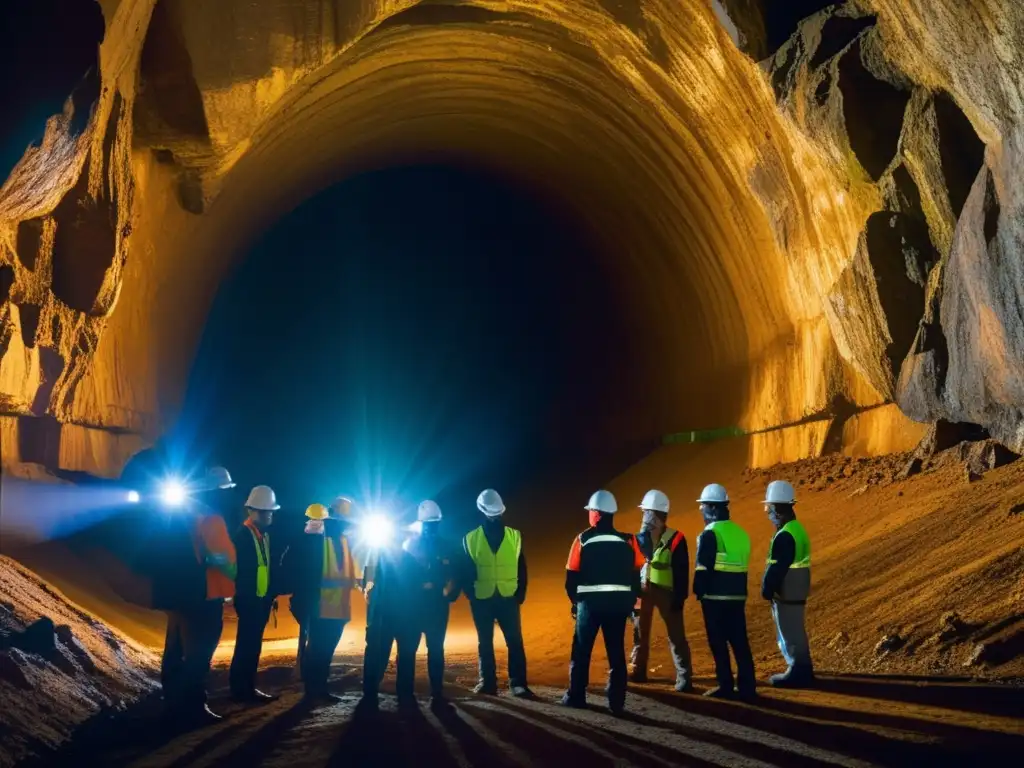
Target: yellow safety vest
[(262, 563), (337, 582), (495, 571), (660, 571)]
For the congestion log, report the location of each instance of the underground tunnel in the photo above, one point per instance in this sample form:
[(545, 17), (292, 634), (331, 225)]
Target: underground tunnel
[(626, 242)]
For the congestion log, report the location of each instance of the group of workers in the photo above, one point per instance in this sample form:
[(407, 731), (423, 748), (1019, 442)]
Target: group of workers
[(410, 581)]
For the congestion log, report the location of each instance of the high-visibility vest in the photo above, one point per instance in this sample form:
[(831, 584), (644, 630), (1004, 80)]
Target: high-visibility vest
[(732, 561), (337, 581), (262, 562), (495, 571), (796, 586), (659, 570)]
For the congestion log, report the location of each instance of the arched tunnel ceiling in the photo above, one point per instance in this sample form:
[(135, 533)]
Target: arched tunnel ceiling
[(796, 240)]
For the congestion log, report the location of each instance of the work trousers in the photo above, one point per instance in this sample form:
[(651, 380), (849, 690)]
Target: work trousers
[(380, 639), (505, 612), (429, 619), (791, 632), (253, 615), (191, 640), (322, 638), (612, 625), (726, 624), (659, 599)]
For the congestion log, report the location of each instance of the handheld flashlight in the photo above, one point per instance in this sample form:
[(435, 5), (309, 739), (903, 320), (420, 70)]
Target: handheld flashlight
[(376, 531), (173, 493)]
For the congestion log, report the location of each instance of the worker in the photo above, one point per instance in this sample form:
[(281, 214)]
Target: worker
[(193, 568), (664, 583), (383, 605), (602, 579), (720, 583), (495, 566), (427, 587), (323, 576), (254, 598), (341, 510), (787, 584)]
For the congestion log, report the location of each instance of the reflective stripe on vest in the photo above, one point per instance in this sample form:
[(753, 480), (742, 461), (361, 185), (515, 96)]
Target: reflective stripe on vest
[(337, 582), (262, 562), (660, 567), (603, 588), (495, 571), (801, 545)]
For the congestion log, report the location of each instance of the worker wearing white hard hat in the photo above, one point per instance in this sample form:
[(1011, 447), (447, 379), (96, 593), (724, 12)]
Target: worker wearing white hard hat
[(428, 585), (494, 577), (665, 581), (602, 580), (720, 583), (254, 598), (787, 585)]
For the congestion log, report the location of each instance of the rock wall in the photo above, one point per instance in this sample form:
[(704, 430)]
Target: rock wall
[(797, 243)]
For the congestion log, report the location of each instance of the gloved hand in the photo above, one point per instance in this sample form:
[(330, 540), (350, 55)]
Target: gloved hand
[(574, 611)]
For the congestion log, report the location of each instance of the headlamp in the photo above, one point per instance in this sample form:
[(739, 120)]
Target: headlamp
[(376, 531), (173, 493)]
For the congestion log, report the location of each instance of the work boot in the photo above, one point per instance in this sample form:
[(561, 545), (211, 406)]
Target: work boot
[(684, 686), (794, 677), (638, 676), (747, 696), (255, 696), (407, 701), (197, 718), (720, 693), (568, 701), (439, 704), (617, 708), (486, 689), (522, 692)]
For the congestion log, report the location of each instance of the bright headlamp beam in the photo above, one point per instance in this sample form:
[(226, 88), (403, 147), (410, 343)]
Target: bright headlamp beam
[(173, 493), (376, 531), (132, 497)]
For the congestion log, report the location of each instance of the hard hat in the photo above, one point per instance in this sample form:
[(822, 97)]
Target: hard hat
[(603, 501), (317, 512), (217, 479), (714, 494), (489, 502), (655, 500), (428, 512), (342, 506), (262, 498), (780, 492)]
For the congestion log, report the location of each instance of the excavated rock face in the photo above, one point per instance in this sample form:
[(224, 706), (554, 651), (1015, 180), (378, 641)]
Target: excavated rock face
[(800, 242)]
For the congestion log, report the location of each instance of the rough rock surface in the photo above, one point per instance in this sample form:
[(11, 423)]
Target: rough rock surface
[(837, 226)]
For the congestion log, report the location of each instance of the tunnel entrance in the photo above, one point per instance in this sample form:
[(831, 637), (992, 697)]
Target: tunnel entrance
[(423, 331)]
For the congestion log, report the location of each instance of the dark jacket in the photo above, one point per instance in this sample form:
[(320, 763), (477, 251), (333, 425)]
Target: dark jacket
[(596, 559), (426, 571), (303, 563), (495, 534), (169, 560), (680, 564), (245, 552), (706, 579), (782, 582)]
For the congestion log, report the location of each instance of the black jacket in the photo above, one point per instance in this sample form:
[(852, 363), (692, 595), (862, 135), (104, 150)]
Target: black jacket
[(426, 570), (680, 564), (604, 563), (783, 551), (169, 560), (245, 552)]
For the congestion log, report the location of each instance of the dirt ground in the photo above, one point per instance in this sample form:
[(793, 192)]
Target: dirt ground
[(916, 624)]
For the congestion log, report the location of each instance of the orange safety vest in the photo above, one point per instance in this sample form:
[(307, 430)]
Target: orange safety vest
[(337, 581), (210, 534)]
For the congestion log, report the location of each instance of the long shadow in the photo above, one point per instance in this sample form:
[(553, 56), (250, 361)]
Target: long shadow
[(852, 741), (380, 739), (618, 744), (258, 745), (474, 744), (1005, 700), (952, 736)]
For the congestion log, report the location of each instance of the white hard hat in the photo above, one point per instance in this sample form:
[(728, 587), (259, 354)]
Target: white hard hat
[(603, 501), (714, 494), (780, 492), (428, 512), (217, 479), (262, 498), (489, 502), (655, 500)]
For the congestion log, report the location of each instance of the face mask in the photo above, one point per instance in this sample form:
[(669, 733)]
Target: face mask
[(314, 526)]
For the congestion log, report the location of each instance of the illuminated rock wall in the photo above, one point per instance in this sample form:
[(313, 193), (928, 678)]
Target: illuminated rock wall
[(830, 231)]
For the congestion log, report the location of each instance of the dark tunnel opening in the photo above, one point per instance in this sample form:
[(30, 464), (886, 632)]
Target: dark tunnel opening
[(38, 81), (425, 331)]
